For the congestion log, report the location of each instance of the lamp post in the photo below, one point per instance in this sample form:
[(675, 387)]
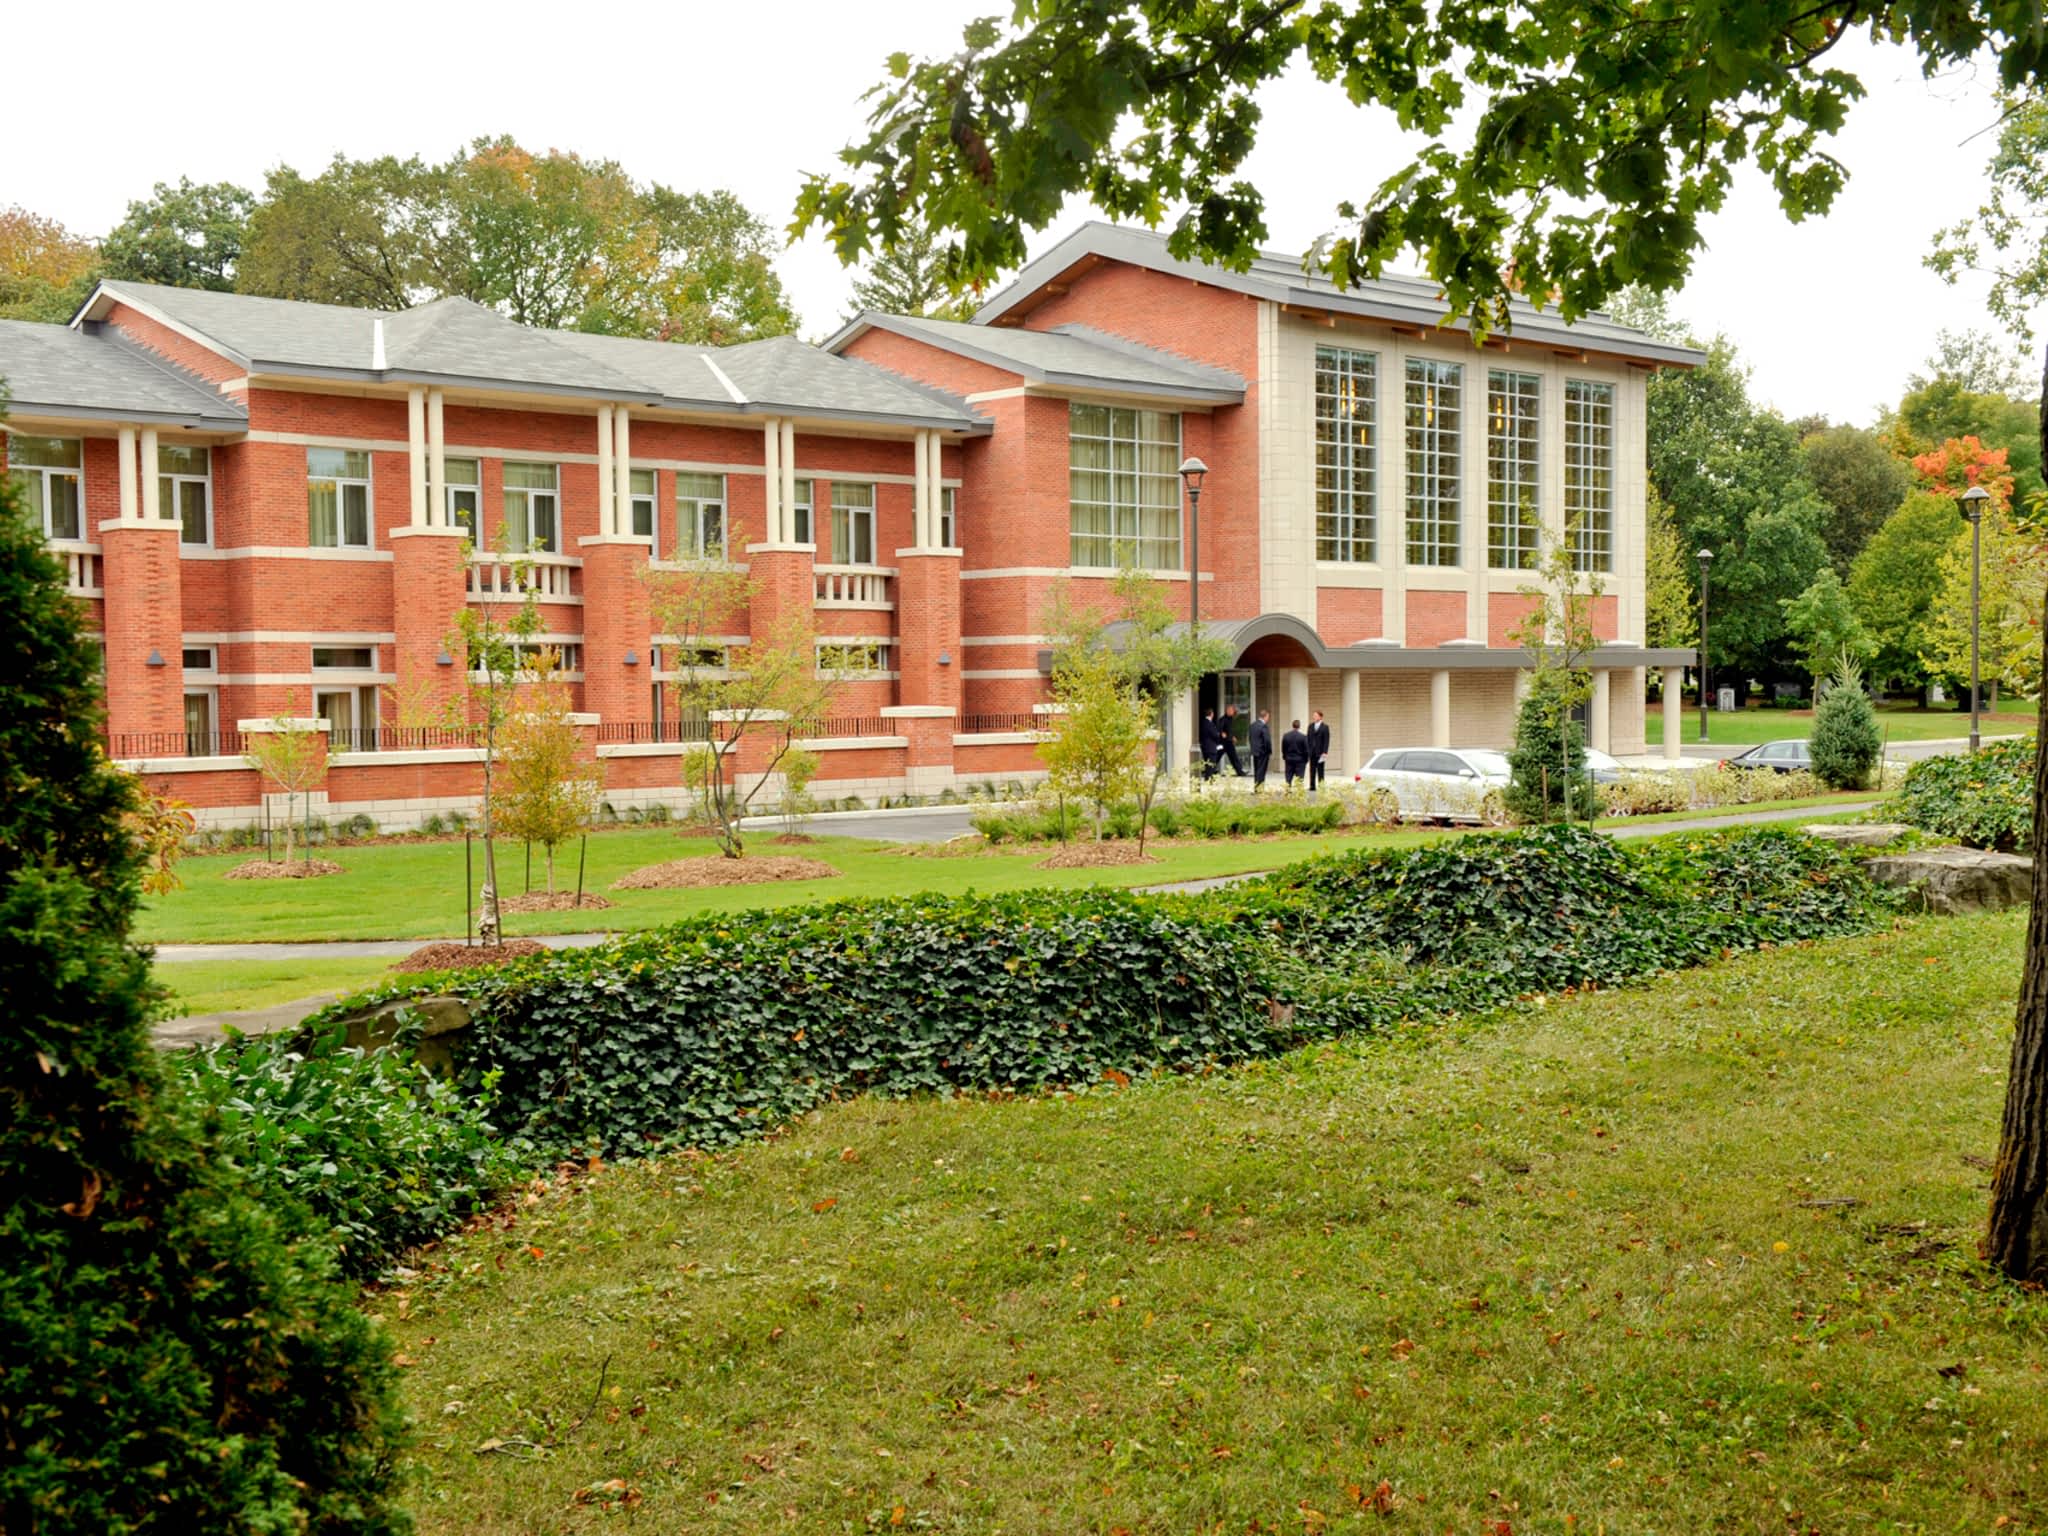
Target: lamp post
[(1706, 558), (1973, 510), (1191, 471)]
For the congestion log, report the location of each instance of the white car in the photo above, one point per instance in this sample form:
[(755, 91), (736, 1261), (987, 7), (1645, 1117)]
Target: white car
[(1436, 784)]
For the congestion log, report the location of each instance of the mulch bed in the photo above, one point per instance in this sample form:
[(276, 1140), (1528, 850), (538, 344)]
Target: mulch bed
[(1096, 856), (682, 874), (450, 956), (552, 901), (272, 869), (792, 839)]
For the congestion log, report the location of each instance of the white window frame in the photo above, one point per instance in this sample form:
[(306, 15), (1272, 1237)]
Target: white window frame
[(210, 693), (452, 492), (341, 667), (834, 656), (949, 530), (47, 472), (850, 520), (1123, 514), (1347, 455), (1514, 469), (1433, 438), (644, 506), (342, 484), (206, 668), (693, 512), (533, 496), (800, 510), (169, 499), (1589, 473)]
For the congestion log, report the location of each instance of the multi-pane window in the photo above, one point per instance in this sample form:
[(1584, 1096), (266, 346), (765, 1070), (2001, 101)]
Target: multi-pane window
[(337, 498), (948, 529), (853, 523), (344, 658), (641, 493), (184, 488), (462, 483), (1589, 473), (1124, 487), (532, 508), (1347, 455), (1513, 522), (800, 512), (50, 472), (1434, 420), (700, 516), (853, 656)]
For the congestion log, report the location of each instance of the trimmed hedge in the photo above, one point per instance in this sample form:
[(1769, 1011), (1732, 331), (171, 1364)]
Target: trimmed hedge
[(1986, 801)]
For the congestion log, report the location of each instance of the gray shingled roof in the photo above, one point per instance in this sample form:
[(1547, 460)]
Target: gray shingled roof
[(1279, 277), (53, 370), (1067, 356)]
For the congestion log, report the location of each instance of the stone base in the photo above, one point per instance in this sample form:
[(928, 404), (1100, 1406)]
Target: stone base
[(1954, 881), (1871, 834)]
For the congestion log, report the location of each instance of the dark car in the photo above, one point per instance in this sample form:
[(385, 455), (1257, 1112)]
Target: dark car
[(1775, 757)]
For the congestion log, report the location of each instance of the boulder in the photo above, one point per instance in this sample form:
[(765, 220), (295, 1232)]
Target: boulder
[(1953, 881), (1857, 834), (445, 1018)]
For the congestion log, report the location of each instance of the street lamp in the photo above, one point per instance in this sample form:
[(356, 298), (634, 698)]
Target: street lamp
[(1973, 510), (1191, 471), (1706, 558)]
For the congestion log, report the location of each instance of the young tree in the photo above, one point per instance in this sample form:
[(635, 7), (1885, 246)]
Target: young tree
[(1893, 583), (293, 756), (2012, 585), (497, 655), (161, 827), (175, 1352), (770, 689), (187, 236), (799, 767), (1845, 741), (1100, 743), (549, 792), (1824, 628), (1558, 633), (1163, 659), (1671, 609)]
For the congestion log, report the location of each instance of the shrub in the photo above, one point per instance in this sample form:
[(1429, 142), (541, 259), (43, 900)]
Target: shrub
[(1644, 794), (357, 825), (434, 826), (1548, 757), (659, 815), (1986, 801), (384, 1154), (1166, 818), (1845, 742), (172, 1358)]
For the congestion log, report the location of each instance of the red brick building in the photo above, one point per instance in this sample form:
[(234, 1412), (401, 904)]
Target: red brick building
[(278, 509)]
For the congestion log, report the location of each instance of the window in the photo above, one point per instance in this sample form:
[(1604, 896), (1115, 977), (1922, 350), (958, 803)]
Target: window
[(1513, 402), (854, 657), (531, 508), (202, 705), (198, 658), (49, 471), (800, 514), (1435, 424), (345, 658), (949, 531), (1589, 473), (351, 716), (1347, 457), (1123, 487), (642, 491), (463, 484), (338, 498), (184, 488), (853, 523), (700, 516)]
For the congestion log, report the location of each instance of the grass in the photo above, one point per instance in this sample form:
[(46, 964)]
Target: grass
[(221, 986), (1695, 1256), (1748, 727)]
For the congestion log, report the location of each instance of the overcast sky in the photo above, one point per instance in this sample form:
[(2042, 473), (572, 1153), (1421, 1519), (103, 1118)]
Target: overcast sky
[(1832, 315)]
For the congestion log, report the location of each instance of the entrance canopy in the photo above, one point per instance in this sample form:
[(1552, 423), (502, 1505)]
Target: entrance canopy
[(1282, 640)]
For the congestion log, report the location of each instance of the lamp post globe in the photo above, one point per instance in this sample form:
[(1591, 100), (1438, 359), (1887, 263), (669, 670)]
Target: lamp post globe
[(1974, 500), (1706, 559)]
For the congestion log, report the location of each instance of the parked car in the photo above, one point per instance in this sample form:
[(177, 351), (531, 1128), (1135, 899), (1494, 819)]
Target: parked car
[(1774, 757), (1436, 784), (1604, 769)]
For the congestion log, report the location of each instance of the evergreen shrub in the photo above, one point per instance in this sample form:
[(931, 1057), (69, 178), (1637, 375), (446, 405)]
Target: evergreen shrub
[(1985, 801), (1846, 742)]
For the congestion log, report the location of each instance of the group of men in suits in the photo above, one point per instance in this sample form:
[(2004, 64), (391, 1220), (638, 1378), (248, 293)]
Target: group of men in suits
[(1303, 754)]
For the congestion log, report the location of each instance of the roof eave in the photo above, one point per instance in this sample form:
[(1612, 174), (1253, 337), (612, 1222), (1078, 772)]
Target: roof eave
[(47, 410)]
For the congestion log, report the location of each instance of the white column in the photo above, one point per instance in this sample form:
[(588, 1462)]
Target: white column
[(152, 488), (1674, 711), (437, 468), (920, 494), (1180, 731), (933, 498), (1440, 707), (416, 455), (1295, 680), (605, 519), (1350, 727), (775, 519), (1599, 712), (622, 469), (127, 446), (788, 462)]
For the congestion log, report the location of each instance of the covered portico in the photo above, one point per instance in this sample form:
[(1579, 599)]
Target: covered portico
[(1377, 693)]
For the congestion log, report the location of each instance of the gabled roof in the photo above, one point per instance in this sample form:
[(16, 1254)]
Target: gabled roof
[(1280, 278), (50, 370), (1064, 357)]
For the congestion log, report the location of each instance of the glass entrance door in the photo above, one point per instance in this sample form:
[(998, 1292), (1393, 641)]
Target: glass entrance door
[(1240, 689)]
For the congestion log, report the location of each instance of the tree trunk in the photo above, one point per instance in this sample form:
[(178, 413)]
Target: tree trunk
[(550, 849), (488, 896), (2016, 1241)]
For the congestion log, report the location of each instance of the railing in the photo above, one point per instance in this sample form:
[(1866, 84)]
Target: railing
[(404, 738), (650, 732), (495, 578), (853, 586), (81, 566), (1015, 720), (846, 725), (123, 745)]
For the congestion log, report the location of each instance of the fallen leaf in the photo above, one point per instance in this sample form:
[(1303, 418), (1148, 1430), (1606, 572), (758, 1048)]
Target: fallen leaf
[(821, 1206)]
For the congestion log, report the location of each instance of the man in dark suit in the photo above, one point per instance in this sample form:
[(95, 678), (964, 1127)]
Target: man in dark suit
[(1212, 743), (1262, 747), (1229, 744), (1294, 753), (1318, 748)]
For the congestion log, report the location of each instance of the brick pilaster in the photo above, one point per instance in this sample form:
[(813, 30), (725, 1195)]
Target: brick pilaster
[(618, 627), (429, 585), (144, 627)]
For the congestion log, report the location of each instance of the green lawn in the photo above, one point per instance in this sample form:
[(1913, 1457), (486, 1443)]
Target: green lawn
[(1691, 1257), (1749, 726), (221, 986)]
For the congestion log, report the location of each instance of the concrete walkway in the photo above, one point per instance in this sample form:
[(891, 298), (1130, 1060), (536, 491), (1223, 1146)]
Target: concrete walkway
[(202, 1028)]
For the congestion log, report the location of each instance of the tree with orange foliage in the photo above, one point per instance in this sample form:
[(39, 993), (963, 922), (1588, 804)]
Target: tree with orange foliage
[(1962, 462)]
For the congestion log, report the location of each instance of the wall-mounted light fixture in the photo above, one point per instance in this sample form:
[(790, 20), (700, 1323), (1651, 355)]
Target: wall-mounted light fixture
[(945, 658), (632, 658), (444, 660), (156, 659)]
